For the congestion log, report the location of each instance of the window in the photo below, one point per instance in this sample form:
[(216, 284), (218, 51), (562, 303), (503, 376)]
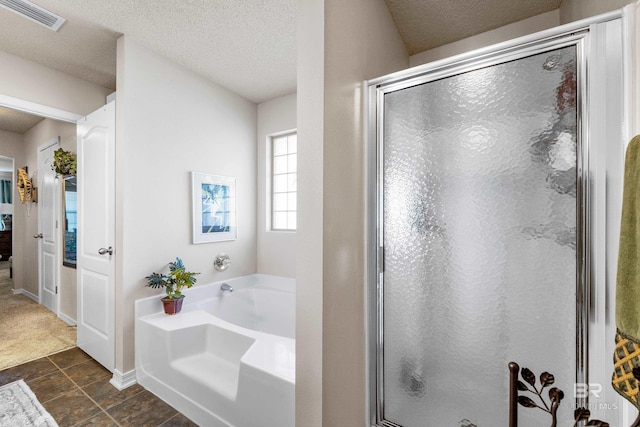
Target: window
[(284, 181)]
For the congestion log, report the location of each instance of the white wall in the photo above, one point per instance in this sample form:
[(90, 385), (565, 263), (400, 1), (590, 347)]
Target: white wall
[(172, 122), (276, 249), (360, 42), (11, 145), (33, 82), (365, 46), (309, 281)]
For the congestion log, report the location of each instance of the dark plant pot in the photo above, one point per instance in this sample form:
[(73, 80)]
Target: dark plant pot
[(172, 306)]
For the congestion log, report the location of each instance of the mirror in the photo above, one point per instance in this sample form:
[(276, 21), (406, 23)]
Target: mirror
[(6, 207), (70, 221)]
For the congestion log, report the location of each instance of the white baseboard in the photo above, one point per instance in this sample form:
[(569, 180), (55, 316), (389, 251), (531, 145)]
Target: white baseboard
[(21, 291), (68, 320), (122, 381)]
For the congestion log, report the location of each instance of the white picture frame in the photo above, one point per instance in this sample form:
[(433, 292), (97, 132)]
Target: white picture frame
[(214, 208)]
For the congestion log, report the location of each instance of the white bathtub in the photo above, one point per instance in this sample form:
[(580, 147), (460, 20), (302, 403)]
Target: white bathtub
[(228, 359)]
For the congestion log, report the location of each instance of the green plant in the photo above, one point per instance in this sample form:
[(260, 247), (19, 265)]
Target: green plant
[(173, 282), (64, 162)]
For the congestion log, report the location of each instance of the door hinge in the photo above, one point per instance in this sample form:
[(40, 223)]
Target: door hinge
[(380, 259), (56, 290), (56, 223)]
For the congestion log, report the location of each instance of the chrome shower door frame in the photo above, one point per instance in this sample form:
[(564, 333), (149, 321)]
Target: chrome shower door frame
[(580, 35)]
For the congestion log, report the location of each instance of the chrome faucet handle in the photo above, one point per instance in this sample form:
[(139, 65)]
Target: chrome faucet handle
[(221, 262)]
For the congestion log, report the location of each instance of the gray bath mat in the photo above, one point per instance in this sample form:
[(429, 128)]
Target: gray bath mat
[(19, 407)]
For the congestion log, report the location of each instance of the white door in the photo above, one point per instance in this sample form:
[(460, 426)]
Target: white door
[(47, 227), (96, 235)]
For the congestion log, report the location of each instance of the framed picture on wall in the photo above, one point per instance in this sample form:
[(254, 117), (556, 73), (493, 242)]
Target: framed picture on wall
[(214, 208)]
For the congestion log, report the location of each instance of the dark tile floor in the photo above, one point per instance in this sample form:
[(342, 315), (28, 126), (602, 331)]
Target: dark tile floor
[(75, 389)]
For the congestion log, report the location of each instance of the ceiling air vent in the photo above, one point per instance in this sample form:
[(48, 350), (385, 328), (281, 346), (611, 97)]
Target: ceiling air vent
[(34, 13)]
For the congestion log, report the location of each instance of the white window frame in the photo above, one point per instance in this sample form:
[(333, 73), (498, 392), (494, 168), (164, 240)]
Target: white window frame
[(273, 206)]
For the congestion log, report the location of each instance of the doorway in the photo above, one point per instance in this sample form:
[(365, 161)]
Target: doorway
[(42, 124)]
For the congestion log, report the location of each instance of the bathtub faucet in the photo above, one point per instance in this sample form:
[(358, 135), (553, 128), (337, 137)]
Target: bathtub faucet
[(226, 287)]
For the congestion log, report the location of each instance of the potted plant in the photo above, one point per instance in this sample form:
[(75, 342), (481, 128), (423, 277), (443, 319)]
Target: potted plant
[(64, 162), (172, 283)]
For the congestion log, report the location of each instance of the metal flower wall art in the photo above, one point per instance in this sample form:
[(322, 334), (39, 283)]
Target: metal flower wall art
[(549, 402)]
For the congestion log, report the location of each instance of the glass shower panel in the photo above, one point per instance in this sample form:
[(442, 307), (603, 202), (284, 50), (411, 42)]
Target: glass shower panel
[(479, 234)]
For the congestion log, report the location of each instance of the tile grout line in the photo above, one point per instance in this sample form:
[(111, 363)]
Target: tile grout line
[(172, 417), (57, 368), (103, 409), (34, 378), (85, 393), (46, 356)]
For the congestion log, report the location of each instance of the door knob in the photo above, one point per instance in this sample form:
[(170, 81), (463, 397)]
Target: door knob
[(104, 251), (38, 236)]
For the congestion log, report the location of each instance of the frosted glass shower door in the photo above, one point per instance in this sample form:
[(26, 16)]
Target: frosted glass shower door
[(479, 201)]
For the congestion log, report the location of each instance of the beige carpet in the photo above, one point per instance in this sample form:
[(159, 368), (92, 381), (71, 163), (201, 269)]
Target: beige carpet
[(28, 330)]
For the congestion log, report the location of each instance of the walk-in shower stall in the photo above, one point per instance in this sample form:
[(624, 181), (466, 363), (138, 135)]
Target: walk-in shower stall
[(488, 227)]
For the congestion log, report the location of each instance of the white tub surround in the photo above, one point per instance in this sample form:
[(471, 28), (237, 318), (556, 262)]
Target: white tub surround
[(228, 359)]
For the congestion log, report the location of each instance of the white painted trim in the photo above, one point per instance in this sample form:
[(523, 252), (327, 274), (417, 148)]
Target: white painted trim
[(631, 126), (606, 139), (68, 320), (26, 293), (38, 109), (55, 143), (628, 65), (122, 381)]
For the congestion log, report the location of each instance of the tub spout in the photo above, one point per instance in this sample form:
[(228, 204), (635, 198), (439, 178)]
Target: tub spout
[(226, 287)]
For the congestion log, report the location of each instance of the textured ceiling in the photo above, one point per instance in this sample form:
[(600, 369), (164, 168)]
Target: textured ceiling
[(80, 49), (426, 24), (247, 46), (16, 121)]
